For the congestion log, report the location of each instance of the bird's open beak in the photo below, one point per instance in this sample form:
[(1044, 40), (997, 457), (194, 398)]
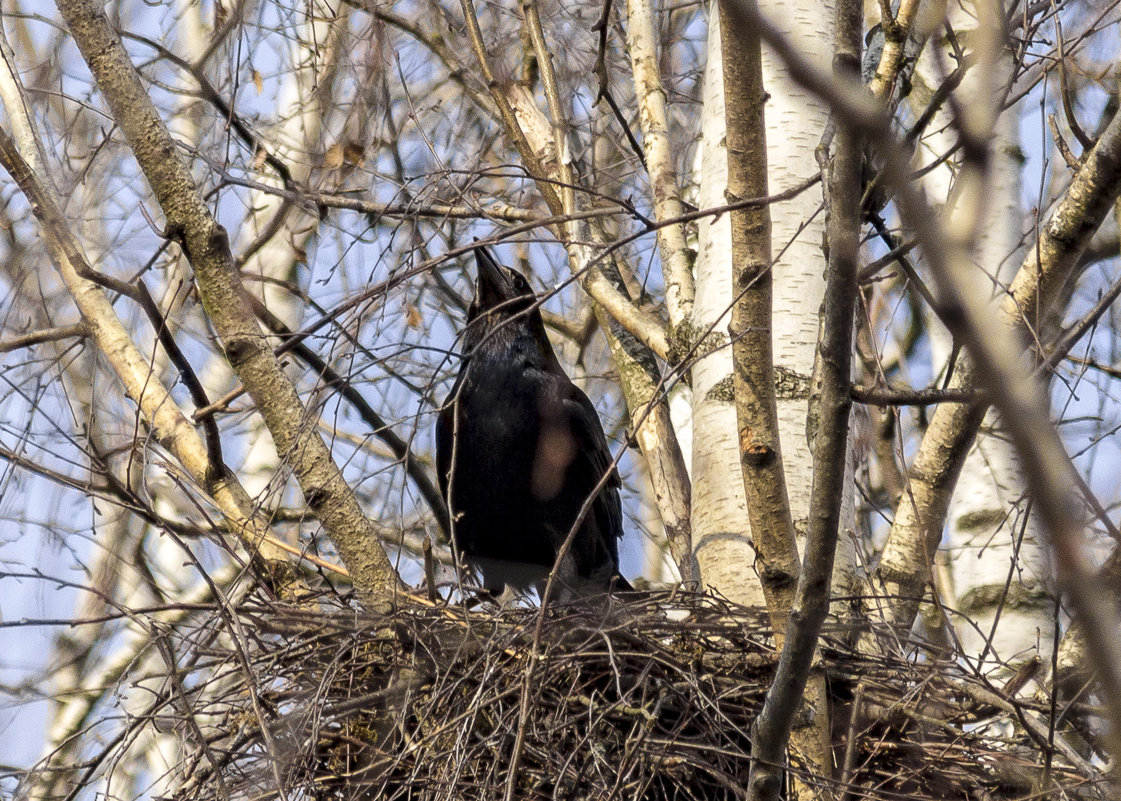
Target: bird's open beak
[(494, 286)]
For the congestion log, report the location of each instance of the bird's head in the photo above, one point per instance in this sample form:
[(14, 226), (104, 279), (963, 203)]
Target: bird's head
[(503, 301)]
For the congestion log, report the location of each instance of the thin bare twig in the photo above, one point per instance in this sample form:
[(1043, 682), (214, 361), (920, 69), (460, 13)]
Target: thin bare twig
[(57, 334), (893, 396)]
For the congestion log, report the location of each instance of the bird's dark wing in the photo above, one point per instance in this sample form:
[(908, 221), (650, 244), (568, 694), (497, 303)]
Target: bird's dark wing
[(594, 459)]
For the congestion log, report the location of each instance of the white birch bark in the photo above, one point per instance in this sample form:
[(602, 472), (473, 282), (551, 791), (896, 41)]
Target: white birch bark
[(643, 49), (721, 535), (795, 122)]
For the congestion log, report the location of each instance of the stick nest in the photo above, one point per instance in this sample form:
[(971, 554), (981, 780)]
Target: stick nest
[(630, 700)]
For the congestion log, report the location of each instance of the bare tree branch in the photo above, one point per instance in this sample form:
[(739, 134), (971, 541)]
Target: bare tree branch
[(77, 331), (207, 246), (677, 266), (171, 427)]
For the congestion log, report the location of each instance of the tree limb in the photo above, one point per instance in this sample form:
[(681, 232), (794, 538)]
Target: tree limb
[(677, 266), (207, 247)]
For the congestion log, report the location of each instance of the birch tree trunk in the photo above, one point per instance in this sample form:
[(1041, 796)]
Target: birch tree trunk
[(997, 562), (795, 122), (721, 534)]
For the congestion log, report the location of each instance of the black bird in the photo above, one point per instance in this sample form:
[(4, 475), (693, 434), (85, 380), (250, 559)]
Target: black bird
[(520, 449)]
